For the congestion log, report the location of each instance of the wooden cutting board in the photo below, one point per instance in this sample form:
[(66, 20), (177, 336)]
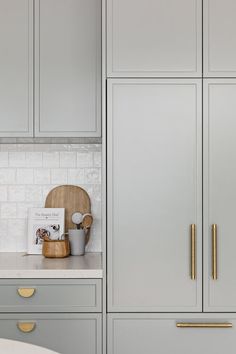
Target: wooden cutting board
[(72, 198)]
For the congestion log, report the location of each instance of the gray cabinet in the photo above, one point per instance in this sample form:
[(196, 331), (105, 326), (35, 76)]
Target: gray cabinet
[(64, 333), (152, 333), (68, 68), (155, 177), (220, 193), (16, 68), (219, 38), (154, 38), (154, 195), (59, 314), (50, 68), (52, 295)]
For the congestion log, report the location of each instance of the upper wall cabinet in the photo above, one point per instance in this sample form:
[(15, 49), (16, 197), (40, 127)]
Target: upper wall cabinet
[(219, 38), (66, 35), (154, 38), (16, 68), (68, 68)]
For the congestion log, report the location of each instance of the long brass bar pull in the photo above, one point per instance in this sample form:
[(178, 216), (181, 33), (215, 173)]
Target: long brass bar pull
[(193, 251), (214, 251), (204, 325)]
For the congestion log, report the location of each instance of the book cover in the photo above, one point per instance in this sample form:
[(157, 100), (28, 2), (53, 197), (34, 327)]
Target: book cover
[(44, 223)]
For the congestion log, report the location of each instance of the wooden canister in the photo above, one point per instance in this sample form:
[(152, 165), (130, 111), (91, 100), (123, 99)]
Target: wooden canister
[(56, 248)]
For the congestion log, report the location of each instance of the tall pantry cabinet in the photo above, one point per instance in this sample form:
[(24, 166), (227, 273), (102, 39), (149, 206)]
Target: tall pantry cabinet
[(171, 141), (154, 150)]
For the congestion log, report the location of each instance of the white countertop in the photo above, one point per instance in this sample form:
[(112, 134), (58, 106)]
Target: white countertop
[(21, 265)]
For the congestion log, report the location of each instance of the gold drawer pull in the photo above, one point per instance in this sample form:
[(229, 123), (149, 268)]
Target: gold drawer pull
[(204, 325), (26, 292), (214, 251), (193, 251), (26, 327)]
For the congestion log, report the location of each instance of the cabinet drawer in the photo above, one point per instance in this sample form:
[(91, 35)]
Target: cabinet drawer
[(50, 295), (66, 334), (151, 334)]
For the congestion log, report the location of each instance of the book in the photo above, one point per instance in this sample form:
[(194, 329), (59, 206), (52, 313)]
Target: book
[(44, 223)]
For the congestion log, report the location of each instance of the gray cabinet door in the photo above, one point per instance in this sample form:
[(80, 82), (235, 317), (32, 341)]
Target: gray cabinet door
[(220, 193), (66, 334), (154, 38), (219, 38), (152, 334), (68, 68), (16, 68), (154, 194)]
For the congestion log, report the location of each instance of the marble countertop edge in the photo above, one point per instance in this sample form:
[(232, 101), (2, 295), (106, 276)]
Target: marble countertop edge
[(21, 265)]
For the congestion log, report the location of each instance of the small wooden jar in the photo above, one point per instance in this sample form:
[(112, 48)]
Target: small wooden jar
[(56, 248)]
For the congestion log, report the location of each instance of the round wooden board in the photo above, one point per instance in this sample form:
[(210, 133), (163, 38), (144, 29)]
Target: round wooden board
[(72, 198)]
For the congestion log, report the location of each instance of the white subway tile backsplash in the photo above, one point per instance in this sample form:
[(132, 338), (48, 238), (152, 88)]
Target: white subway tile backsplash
[(33, 193), (42, 176), (22, 209), (16, 159), (51, 159), (97, 159), (75, 175), (16, 193), (92, 175), (3, 194), (59, 176), (84, 159), (4, 161), (96, 208), (34, 159), (3, 234), (27, 174), (7, 176), (67, 159), (95, 236), (17, 228), (24, 176), (8, 210)]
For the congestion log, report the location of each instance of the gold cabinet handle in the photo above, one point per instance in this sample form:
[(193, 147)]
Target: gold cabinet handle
[(26, 327), (204, 325), (193, 251), (26, 292), (214, 251)]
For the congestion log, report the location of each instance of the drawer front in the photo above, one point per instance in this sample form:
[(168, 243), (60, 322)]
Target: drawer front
[(66, 334), (50, 295), (152, 334)]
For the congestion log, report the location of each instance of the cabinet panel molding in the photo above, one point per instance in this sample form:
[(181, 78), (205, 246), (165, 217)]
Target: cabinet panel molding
[(220, 193), (16, 68), (154, 194), (219, 38), (68, 68), (154, 38), (53, 295), (63, 333), (134, 333)]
